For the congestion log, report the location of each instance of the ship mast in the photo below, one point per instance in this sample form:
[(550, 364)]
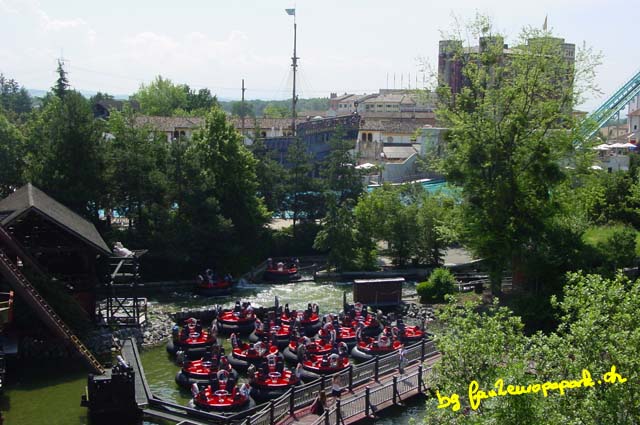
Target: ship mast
[(294, 65)]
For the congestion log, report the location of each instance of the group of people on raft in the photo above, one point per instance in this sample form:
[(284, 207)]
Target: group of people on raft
[(356, 332)]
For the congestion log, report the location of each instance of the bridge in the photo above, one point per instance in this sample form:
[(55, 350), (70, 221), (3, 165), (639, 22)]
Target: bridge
[(370, 387)]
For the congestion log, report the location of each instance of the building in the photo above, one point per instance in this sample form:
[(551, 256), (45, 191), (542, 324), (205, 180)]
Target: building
[(65, 245), (102, 108), (392, 145), (315, 133), (173, 128), (387, 103), (346, 104), (452, 55)]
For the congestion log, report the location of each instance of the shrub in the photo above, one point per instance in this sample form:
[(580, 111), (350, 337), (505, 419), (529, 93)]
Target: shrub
[(440, 283)]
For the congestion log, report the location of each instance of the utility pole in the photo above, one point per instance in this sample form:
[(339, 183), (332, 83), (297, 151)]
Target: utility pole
[(242, 111)]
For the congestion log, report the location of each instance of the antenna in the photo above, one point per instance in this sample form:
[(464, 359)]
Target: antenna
[(242, 110)]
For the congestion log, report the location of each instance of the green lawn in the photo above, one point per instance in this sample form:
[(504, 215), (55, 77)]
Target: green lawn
[(599, 234)]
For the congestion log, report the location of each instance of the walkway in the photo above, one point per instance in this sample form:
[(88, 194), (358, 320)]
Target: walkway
[(372, 386)]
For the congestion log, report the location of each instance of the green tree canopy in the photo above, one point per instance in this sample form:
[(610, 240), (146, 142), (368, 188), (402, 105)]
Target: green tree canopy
[(597, 331), (510, 128), (14, 98), (161, 97), (65, 155), (11, 157)]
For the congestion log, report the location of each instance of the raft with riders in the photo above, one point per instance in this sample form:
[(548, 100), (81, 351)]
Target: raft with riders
[(312, 345)]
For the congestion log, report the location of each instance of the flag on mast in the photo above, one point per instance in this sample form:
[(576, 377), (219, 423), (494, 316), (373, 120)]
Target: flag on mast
[(290, 12), (544, 26)]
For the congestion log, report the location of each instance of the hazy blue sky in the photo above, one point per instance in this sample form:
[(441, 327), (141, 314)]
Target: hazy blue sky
[(343, 45)]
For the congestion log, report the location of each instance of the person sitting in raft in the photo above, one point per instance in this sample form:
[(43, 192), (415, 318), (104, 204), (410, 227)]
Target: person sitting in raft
[(325, 361), (237, 308), (269, 263), (224, 362), (287, 312), (222, 376), (211, 276), (333, 360), (245, 390), (257, 325), (280, 266), (195, 390), (384, 341), (213, 330), (260, 348), (200, 280), (298, 371), (249, 309), (234, 340), (343, 350), (251, 372), (184, 333)]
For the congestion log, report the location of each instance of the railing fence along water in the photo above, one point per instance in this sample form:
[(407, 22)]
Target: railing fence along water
[(365, 402), (295, 400)]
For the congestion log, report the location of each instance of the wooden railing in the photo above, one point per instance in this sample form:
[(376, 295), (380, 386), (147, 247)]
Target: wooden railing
[(298, 398), (40, 306)]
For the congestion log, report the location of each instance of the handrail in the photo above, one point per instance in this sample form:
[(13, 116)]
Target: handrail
[(40, 305)]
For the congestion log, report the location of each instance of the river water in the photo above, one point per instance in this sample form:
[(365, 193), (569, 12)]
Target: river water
[(49, 394)]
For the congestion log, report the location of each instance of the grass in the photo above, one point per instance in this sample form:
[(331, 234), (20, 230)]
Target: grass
[(599, 234)]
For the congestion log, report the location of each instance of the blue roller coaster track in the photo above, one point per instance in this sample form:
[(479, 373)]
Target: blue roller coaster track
[(614, 104)]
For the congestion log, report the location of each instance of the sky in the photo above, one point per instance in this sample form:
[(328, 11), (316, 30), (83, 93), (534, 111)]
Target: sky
[(354, 46)]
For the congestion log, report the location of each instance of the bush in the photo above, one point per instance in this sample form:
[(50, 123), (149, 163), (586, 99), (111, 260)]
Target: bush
[(440, 283)]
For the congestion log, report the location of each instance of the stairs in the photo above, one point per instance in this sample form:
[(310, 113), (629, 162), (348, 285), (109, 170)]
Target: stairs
[(44, 311)]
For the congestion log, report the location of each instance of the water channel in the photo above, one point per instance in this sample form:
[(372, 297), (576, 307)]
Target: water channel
[(50, 393)]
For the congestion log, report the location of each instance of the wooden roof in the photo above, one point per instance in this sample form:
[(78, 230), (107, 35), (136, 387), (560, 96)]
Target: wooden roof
[(30, 198)]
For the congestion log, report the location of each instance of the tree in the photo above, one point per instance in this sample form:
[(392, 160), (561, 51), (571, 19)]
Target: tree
[(270, 174), (511, 125), (161, 97), (65, 153), (200, 102), (440, 283), (11, 157), (303, 193), (99, 97), (240, 109), (339, 171), (597, 330), (221, 205), (135, 171), (273, 110), (62, 83), (14, 98), (338, 235)]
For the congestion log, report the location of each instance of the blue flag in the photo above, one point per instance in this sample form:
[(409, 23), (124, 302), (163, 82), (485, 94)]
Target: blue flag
[(291, 12)]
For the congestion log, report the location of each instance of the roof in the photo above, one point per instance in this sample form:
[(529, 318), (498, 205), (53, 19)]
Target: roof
[(264, 123), (30, 198), (397, 125), (168, 123), (398, 152), (635, 113)]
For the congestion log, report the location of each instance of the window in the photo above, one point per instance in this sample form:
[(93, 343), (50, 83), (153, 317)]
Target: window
[(370, 137), (364, 137), (263, 134)]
